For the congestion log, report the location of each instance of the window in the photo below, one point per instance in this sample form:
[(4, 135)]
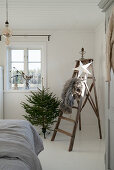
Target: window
[(34, 67), (28, 61)]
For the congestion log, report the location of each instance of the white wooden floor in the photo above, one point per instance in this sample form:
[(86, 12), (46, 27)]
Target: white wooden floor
[(88, 152)]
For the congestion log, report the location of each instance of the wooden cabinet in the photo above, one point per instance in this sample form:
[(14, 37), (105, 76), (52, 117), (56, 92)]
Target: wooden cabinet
[(106, 6)]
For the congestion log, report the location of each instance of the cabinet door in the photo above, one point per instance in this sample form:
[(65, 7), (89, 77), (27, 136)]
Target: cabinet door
[(111, 139), (111, 126), (1, 78), (109, 108), (1, 93)]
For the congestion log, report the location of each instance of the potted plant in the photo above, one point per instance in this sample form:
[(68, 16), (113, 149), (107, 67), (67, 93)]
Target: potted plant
[(42, 108)]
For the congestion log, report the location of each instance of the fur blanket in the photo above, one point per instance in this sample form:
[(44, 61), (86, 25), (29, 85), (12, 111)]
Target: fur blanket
[(71, 91)]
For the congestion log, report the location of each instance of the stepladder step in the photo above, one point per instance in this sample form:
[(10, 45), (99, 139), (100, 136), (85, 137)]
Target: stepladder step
[(64, 132), (68, 119)]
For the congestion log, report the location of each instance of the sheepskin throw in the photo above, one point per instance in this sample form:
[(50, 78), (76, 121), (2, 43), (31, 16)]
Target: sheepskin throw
[(110, 46), (71, 91)]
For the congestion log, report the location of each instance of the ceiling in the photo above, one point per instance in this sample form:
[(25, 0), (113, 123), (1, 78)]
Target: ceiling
[(51, 14)]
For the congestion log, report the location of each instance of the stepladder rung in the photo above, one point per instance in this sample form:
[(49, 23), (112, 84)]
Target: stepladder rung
[(64, 132), (68, 119)]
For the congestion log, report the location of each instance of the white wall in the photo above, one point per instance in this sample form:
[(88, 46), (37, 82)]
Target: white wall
[(62, 51)]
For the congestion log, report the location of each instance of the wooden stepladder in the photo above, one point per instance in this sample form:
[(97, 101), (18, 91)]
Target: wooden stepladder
[(88, 97)]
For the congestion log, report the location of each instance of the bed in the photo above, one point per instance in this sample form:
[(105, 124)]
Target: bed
[(19, 146)]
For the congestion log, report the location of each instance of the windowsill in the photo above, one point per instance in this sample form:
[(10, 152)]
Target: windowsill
[(20, 91)]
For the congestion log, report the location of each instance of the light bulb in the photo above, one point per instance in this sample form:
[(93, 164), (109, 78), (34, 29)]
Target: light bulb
[(7, 33)]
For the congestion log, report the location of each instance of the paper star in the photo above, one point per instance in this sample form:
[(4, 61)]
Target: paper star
[(82, 69)]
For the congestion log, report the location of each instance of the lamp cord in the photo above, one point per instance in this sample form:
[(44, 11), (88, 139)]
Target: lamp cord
[(6, 10)]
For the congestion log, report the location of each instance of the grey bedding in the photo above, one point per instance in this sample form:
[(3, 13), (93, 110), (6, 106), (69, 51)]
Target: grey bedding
[(19, 146)]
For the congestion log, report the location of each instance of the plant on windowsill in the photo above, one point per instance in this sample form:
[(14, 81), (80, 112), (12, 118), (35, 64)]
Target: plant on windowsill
[(42, 108)]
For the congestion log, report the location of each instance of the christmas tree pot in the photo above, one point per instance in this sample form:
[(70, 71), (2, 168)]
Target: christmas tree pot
[(44, 132)]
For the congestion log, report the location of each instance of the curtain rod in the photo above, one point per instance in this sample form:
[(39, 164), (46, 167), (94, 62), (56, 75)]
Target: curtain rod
[(30, 36)]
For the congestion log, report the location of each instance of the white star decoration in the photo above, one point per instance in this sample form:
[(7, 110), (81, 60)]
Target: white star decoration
[(82, 69)]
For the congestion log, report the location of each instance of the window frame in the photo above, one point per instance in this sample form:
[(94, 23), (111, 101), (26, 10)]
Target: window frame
[(27, 46)]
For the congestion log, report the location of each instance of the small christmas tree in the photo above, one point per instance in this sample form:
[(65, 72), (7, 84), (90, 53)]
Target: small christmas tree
[(42, 108)]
